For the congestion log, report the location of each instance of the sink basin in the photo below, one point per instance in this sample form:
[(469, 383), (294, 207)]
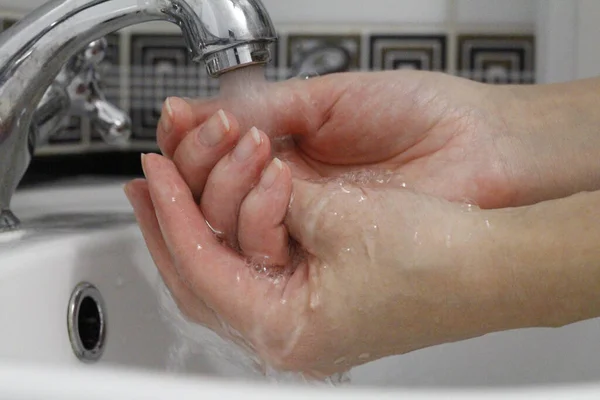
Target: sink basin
[(84, 231)]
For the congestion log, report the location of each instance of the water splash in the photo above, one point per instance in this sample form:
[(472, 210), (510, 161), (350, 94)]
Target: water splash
[(193, 342)]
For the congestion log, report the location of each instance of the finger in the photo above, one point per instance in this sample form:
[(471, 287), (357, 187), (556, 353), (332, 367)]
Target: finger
[(210, 269), (199, 151), (261, 232), (191, 306), (230, 182), (176, 120)]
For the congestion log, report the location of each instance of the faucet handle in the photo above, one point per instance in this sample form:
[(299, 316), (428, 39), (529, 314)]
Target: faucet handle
[(91, 56), (88, 100), (113, 124)]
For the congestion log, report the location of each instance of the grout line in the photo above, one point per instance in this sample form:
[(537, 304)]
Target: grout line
[(451, 31)]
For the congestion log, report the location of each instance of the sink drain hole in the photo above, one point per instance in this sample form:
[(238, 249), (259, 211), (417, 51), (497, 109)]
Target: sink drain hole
[(86, 322), (89, 322)]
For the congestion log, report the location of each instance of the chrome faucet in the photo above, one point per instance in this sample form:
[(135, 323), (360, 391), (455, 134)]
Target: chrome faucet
[(224, 34)]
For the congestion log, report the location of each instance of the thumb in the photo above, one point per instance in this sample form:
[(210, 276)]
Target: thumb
[(316, 216)]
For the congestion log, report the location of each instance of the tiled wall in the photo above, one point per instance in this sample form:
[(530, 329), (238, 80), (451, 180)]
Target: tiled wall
[(147, 63)]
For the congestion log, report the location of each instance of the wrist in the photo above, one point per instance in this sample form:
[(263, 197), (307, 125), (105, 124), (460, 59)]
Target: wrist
[(551, 141), (542, 263)]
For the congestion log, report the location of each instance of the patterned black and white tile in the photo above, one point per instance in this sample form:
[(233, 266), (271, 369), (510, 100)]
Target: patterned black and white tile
[(421, 52), (497, 58), (322, 54)]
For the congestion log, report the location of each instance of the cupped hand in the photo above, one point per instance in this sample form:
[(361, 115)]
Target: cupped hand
[(436, 134)]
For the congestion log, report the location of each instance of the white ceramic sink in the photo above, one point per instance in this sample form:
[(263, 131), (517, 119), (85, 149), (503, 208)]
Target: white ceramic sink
[(84, 232)]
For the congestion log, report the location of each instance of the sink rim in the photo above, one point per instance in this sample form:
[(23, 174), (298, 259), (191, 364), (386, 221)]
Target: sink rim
[(128, 383)]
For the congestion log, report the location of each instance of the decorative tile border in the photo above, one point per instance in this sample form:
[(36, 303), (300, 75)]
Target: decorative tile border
[(158, 64)]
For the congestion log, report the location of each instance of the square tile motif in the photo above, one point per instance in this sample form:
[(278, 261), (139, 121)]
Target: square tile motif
[(322, 54), (390, 52), (497, 58), (161, 67)]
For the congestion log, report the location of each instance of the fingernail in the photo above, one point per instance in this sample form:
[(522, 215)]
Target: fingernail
[(271, 173), (142, 156), (247, 145), (126, 190), (166, 118), (212, 132)]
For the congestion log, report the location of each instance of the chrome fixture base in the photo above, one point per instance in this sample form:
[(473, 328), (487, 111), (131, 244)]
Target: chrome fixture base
[(8, 221)]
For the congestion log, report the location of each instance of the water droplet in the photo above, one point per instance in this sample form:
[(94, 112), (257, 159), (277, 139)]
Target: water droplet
[(469, 206), (315, 300), (404, 185), (283, 302), (448, 241), (340, 360), (198, 247), (173, 200), (416, 238), (488, 224)]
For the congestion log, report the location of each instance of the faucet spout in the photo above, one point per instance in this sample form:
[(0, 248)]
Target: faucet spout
[(225, 34)]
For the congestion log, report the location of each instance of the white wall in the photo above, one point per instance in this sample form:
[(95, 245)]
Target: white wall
[(568, 34), (588, 31), (496, 11), (352, 11), (556, 40)]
